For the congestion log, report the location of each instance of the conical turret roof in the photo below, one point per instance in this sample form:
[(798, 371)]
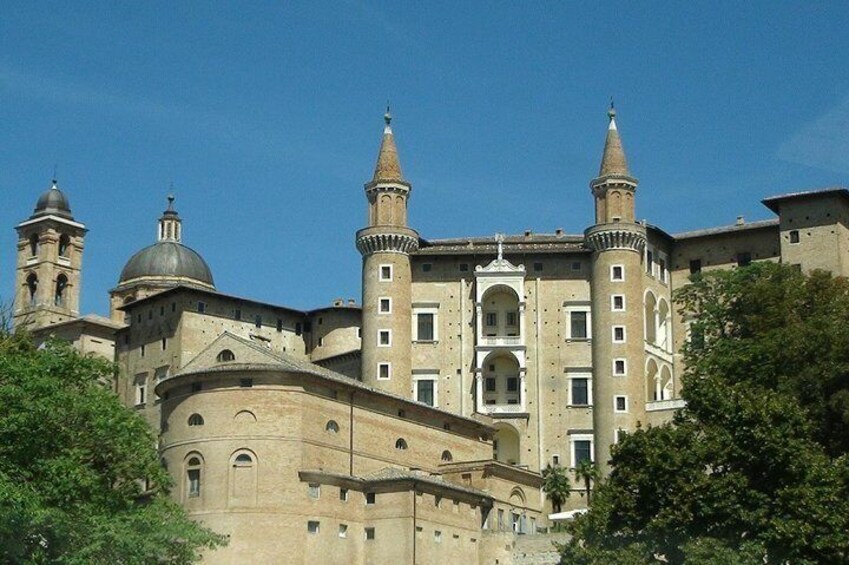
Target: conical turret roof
[(613, 161), (388, 168)]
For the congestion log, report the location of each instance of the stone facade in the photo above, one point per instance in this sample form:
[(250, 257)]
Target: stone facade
[(412, 429)]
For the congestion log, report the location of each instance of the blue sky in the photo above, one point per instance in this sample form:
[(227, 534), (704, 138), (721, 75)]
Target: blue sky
[(267, 117)]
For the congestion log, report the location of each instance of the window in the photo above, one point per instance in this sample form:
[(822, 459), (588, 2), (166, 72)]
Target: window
[(141, 389), (384, 338), (576, 266), (258, 321), (195, 420), (193, 472), (490, 384), (512, 384), (384, 371), (619, 368), (537, 267), (59, 295), (447, 457), (343, 494), (201, 307), (649, 262), (580, 391), (662, 271), (162, 310), (164, 343), (237, 314), (491, 319), (246, 383), (314, 490), (617, 303), (620, 403), (437, 536), (555, 460), (794, 236), (141, 350), (279, 324), (385, 306), (511, 319), (427, 267), (312, 526), (225, 356), (343, 530), (401, 444), (320, 341), (369, 533), (243, 460), (582, 448), (370, 498), (332, 427), (386, 273), (425, 330), (695, 266), (32, 287), (425, 390), (464, 267), (299, 328), (617, 273), (173, 306), (618, 434), (197, 387), (618, 334), (33, 245), (578, 321), (744, 259)]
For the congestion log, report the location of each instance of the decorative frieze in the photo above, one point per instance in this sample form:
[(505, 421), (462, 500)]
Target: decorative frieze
[(604, 237), (369, 242)]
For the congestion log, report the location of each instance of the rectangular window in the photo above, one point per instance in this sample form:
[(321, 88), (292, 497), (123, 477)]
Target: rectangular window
[(427, 267), (193, 476), (312, 526), (794, 236), (141, 389), (164, 343), (695, 266), (512, 384), (617, 303), (386, 273), (491, 319), (537, 267), (369, 533), (343, 494), (246, 383), (617, 273), (314, 490), (662, 271), (618, 334), (385, 306), (580, 392), (370, 498), (619, 368), (384, 338), (426, 391), (512, 319), (141, 351), (744, 259), (299, 329), (620, 403), (320, 341), (383, 371), (582, 449), (424, 327), (555, 460), (576, 266), (578, 324), (258, 321), (649, 262), (490, 384), (237, 313), (279, 324), (437, 536), (343, 530), (464, 267)]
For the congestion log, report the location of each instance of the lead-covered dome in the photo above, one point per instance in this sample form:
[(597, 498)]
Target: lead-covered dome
[(52, 202), (168, 261)]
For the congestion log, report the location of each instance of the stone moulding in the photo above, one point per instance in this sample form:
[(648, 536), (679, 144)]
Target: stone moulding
[(604, 237), (381, 242)]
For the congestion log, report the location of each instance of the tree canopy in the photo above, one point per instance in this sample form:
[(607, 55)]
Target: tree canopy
[(556, 486), (754, 469), (75, 467)]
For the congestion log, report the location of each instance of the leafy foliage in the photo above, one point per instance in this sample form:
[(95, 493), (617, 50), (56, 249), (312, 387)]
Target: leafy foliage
[(755, 468), (73, 461), (556, 485), (588, 473)]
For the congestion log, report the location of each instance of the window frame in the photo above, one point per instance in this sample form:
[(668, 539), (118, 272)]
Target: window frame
[(582, 307), (432, 377), (613, 331), (388, 371), (613, 307), (578, 377), (380, 333), (621, 268), (616, 399), (426, 309), (573, 440), (380, 301), (380, 270), (624, 361)]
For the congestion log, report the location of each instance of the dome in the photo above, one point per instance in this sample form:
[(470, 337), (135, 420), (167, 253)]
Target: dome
[(168, 260), (54, 202)]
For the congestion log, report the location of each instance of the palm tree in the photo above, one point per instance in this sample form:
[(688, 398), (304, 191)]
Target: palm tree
[(556, 485), (588, 473)]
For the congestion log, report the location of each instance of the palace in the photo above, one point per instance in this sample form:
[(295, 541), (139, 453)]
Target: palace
[(411, 428)]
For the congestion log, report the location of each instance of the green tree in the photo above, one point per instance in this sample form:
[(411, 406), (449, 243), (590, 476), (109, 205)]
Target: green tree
[(556, 485), (588, 473), (754, 469), (74, 463)]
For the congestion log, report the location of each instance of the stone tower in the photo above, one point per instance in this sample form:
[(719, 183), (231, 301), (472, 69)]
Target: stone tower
[(617, 241), (385, 245), (50, 254)]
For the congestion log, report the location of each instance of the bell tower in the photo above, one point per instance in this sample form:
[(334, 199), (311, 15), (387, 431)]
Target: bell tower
[(617, 241), (386, 245), (50, 253)]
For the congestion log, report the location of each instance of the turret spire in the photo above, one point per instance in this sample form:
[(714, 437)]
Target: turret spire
[(388, 168), (613, 161), (170, 224)]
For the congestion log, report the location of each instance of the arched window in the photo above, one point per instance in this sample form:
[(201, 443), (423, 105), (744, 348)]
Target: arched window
[(195, 420), (401, 444), (650, 317), (447, 457), (194, 468), (59, 295), (64, 245), (245, 416), (32, 288), (33, 245), (243, 478), (225, 356), (243, 459), (332, 427)]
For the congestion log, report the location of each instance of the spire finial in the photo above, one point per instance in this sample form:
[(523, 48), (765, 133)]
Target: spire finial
[(387, 117), (55, 183), (499, 239), (611, 113), (171, 198)]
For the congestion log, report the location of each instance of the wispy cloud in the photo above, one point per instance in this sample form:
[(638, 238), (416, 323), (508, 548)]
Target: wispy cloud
[(822, 143)]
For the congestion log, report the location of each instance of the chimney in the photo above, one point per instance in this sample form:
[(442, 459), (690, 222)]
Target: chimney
[(740, 220)]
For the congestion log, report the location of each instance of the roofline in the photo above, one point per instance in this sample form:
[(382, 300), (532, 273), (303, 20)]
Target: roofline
[(217, 294), (758, 225), (773, 202), (352, 307), (60, 219), (408, 482)]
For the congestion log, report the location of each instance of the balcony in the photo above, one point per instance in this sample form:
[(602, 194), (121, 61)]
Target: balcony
[(500, 341), (496, 410), (660, 405)]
